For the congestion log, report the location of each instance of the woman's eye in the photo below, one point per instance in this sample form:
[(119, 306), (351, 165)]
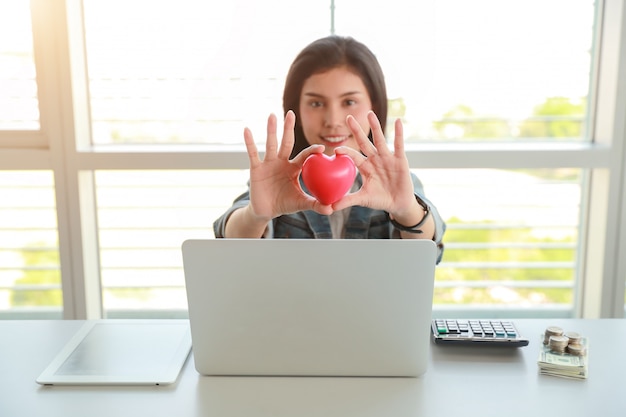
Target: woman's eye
[(316, 104), (350, 102)]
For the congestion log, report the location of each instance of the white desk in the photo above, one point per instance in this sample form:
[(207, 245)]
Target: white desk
[(460, 381)]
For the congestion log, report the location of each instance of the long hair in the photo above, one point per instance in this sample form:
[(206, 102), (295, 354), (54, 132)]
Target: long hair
[(323, 55)]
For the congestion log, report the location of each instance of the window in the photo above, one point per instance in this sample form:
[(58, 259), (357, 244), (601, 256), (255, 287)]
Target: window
[(143, 217), (477, 71), (18, 86), (512, 127), (194, 73), (30, 273), (512, 244)]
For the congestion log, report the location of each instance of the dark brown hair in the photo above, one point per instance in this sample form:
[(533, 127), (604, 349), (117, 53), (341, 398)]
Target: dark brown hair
[(325, 54)]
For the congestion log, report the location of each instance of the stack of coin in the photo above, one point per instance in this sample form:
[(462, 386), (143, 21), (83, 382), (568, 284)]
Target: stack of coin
[(563, 354), (574, 347), (574, 338), (551, 331), (558, 344)]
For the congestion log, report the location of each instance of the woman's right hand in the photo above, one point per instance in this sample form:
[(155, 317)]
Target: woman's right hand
[(274, 186)]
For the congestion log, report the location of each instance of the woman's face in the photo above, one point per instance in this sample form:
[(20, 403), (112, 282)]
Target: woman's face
[(327, 99)]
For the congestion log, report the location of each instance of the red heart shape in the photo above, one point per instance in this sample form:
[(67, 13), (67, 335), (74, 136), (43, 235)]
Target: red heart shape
[(328, 178)]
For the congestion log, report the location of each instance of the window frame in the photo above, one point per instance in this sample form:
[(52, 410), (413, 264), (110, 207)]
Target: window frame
[(62, 145)]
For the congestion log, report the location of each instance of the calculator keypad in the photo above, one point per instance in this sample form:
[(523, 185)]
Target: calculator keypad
[(501, 332)]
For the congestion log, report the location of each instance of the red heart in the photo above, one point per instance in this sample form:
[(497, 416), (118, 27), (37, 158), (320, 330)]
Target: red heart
[(328, 178)]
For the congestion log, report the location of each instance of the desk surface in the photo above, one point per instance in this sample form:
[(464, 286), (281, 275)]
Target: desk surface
[(459, 381)]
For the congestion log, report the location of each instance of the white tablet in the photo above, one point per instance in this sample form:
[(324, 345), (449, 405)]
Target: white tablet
[(121, 352)]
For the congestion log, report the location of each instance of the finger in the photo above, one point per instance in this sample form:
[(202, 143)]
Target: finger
[(271, 144), (398, 141), (306, 152), (253, 153), (355, 155), (378, 135), (322, 209), (286, 145), (307, 202), (349, 200), (362, 140)]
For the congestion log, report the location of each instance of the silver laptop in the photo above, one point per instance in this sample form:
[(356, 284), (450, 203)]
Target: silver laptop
[(310, 307)]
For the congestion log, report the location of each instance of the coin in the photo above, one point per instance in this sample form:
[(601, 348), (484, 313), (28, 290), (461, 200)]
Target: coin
[(558, 343), (551, 331), (574, 338), (576, 349)]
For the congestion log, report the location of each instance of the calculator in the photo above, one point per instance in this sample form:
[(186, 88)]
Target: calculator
[(477, 333)]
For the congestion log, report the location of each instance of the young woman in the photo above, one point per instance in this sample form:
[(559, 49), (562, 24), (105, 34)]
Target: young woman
[(335, 102)]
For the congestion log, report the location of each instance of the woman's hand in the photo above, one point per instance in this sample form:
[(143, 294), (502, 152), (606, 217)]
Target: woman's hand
[(274, 186), (386, 177)]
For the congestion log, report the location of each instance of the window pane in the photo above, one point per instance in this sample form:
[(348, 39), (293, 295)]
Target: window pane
[(456, 70), (143, 218), (30, 277), (512, 238), (191, 71), (19, 108), (480, 70), (514, 249)]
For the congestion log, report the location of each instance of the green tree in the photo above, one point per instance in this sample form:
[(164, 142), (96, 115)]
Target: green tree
[(41, 268), (556, 117), (461, 122), (553, 250)]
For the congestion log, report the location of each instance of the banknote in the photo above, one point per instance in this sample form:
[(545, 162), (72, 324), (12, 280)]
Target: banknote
[(565, 364)]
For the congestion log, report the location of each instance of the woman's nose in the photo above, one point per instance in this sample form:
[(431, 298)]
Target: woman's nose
[(333, 117)]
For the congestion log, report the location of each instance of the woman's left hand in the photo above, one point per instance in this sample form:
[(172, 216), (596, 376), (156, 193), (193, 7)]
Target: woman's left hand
[(386, 177)]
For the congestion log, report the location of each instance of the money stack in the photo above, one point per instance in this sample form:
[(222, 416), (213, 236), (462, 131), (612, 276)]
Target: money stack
[(563, 354)]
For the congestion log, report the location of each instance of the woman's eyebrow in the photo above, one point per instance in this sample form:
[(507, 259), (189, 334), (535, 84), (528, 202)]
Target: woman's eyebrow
[(317, 95), (312, 94)]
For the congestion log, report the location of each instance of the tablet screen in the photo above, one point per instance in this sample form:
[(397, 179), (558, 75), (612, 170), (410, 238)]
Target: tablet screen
[(122, 352)]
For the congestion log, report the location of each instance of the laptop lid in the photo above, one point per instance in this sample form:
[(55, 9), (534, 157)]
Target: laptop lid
[(310, 307)]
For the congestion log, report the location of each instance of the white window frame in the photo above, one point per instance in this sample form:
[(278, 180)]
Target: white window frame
[(63, 146)]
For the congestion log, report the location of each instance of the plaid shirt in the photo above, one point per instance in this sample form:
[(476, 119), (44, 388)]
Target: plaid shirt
[(361, 223)]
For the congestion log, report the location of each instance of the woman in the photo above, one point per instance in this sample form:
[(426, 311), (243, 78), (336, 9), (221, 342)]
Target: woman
[(335, 102)]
